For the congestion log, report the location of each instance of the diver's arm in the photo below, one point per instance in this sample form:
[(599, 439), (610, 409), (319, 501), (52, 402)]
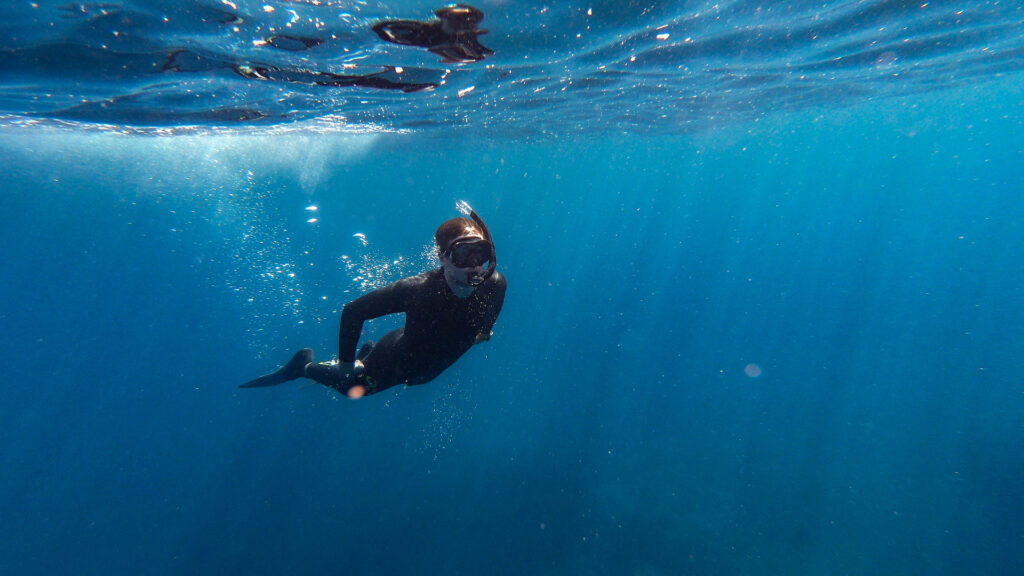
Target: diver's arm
[(381, 302), (494, 303)]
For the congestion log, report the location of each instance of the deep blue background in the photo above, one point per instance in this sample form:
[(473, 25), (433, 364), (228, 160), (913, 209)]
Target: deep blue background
[(868, 260)]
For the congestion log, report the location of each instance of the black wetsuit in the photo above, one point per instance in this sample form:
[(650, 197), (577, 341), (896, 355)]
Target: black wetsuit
[(439, 328)]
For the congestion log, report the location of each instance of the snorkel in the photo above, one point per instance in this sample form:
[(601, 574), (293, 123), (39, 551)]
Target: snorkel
[(478, 279)]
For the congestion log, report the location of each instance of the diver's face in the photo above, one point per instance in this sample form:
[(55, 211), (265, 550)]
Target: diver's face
[(461, 280), (463, 265)]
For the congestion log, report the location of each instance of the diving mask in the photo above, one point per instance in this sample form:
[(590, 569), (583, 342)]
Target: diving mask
[(470, 252)]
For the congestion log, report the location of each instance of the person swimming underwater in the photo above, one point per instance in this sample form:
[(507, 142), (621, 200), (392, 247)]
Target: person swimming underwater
[(453, 36), (447, 311)]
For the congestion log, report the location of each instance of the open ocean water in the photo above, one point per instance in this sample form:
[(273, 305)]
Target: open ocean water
[(764, 314)]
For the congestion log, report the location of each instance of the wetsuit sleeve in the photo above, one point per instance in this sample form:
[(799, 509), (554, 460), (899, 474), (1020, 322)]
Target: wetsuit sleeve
[(381, 302), (494, 303)]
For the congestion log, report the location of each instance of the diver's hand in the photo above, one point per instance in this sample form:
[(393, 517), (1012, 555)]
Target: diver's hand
[(481, 337), (349, 369)]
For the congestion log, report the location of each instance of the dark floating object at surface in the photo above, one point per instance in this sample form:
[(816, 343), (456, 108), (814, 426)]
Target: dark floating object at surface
[(293, 43), (388, 78), (384, 78), (453, 36)]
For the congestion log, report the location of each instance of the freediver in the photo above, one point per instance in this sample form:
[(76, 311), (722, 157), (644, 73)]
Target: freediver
[(447, 311), (453, 36)]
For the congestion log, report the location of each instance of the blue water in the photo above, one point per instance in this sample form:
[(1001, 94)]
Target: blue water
[(564, 68), (777, 328)]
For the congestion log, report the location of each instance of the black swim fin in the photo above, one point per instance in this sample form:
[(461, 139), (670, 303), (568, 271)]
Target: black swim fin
[(295, 368)]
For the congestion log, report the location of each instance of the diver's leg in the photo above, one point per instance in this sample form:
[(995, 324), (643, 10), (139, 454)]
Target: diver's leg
[(295, 368), (381, 363), (328, 375), (376, 376), (351, 385), (364, 351)]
